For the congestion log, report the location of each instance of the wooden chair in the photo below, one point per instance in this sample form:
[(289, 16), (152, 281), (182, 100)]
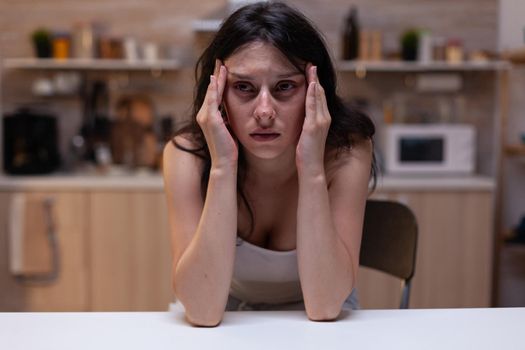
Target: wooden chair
[(389, 242)]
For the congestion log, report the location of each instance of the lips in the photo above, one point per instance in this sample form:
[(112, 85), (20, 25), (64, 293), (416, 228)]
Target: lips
[(264, 136)]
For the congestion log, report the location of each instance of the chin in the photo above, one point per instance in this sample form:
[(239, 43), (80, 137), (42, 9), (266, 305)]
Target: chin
[(262, 153), (268, 153)]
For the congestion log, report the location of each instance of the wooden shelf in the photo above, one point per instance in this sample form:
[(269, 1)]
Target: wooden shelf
[(89, 64), (515, 150), (403, 66)]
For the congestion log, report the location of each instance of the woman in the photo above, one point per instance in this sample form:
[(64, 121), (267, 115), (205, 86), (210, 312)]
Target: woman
[(267, 185)]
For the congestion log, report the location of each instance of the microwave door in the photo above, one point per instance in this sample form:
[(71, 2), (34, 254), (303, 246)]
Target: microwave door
[(421, 150)]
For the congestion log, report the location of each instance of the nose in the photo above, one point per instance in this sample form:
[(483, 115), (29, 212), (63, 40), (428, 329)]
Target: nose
[(264, 109)]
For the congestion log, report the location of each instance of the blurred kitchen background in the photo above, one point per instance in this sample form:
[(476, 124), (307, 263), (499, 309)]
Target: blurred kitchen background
[(90, 91)]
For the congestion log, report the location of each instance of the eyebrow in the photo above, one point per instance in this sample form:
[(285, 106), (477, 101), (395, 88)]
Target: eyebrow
[(280, 76)]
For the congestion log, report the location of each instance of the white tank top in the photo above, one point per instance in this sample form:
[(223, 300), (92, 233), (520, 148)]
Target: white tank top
[(265, 276)]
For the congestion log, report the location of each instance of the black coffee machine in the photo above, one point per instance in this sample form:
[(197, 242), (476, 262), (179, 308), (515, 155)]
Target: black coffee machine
[(30, 143)]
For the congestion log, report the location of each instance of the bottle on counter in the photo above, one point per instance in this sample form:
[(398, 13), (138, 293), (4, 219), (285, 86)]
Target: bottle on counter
[(351, 36)]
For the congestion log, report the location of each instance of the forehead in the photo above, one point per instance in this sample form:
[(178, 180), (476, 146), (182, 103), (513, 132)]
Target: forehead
[(259, 56)]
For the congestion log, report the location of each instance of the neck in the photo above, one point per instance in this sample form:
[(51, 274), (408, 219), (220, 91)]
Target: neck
[(271, 172)]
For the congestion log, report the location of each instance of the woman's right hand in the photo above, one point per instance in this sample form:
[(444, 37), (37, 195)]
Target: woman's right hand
[(223, 148)]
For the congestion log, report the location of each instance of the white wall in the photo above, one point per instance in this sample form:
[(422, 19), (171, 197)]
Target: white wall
[(511, 24), (511, 34)]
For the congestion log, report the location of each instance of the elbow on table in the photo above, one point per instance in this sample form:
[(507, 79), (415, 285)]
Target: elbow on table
[(204, 319), (201, 313), (320, 313)]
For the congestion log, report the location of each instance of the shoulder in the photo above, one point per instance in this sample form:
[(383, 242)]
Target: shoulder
[(182, 145), (344, 162), (180, 159)]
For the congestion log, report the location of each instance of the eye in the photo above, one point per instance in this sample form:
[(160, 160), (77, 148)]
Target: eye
[(243, 87), (285, 86)]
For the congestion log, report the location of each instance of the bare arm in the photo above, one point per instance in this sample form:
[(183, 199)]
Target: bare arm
[(329, 216), (329, 229), (203, 233)]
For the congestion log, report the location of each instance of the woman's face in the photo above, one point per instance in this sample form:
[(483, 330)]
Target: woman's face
[(265, 100)]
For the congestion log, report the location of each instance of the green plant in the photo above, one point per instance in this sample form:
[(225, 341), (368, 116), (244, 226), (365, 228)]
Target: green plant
[(42, 42), (409, 44)]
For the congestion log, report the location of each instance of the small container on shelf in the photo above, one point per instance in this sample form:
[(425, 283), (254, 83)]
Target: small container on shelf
[(439, 48), (83, 40), (454, 51), (61, 45), (42, 43), (424, 53), (376, 45)]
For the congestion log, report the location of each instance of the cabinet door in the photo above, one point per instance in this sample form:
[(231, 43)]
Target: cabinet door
[(454, 258), (130, 251), (28, 220)]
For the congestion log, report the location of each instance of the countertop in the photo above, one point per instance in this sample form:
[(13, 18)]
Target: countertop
[(153, 182), (495, 328)]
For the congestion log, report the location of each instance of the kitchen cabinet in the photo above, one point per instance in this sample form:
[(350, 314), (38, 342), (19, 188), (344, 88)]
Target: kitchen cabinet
[(454, 256), (68, 292), (130, 267), (115, 245), (114, 252)]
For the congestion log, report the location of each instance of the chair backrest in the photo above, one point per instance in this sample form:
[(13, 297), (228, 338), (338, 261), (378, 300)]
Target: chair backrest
[(389, 242)]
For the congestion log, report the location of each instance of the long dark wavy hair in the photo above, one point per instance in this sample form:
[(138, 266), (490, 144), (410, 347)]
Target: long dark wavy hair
[(297, 38)]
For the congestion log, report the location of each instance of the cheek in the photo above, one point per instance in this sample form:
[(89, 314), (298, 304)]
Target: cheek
[(232, 106), (296, 110), (235, 112)]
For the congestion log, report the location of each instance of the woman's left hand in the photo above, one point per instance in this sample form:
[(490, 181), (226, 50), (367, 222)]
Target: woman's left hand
[(311, 145)]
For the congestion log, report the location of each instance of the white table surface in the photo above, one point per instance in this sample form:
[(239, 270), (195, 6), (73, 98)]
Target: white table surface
[(496, 328), (154, 182)]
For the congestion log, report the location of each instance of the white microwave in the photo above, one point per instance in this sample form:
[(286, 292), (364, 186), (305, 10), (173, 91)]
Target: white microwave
[(429, 149)]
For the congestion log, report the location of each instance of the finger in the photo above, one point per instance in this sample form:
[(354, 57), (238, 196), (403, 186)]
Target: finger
[(221, 82), (211, 94), (326, 113), (316, 77), (216, 67), (311, 108), (318, 95), (324, 104), (322, 101), (318, 102), (309, 77)]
